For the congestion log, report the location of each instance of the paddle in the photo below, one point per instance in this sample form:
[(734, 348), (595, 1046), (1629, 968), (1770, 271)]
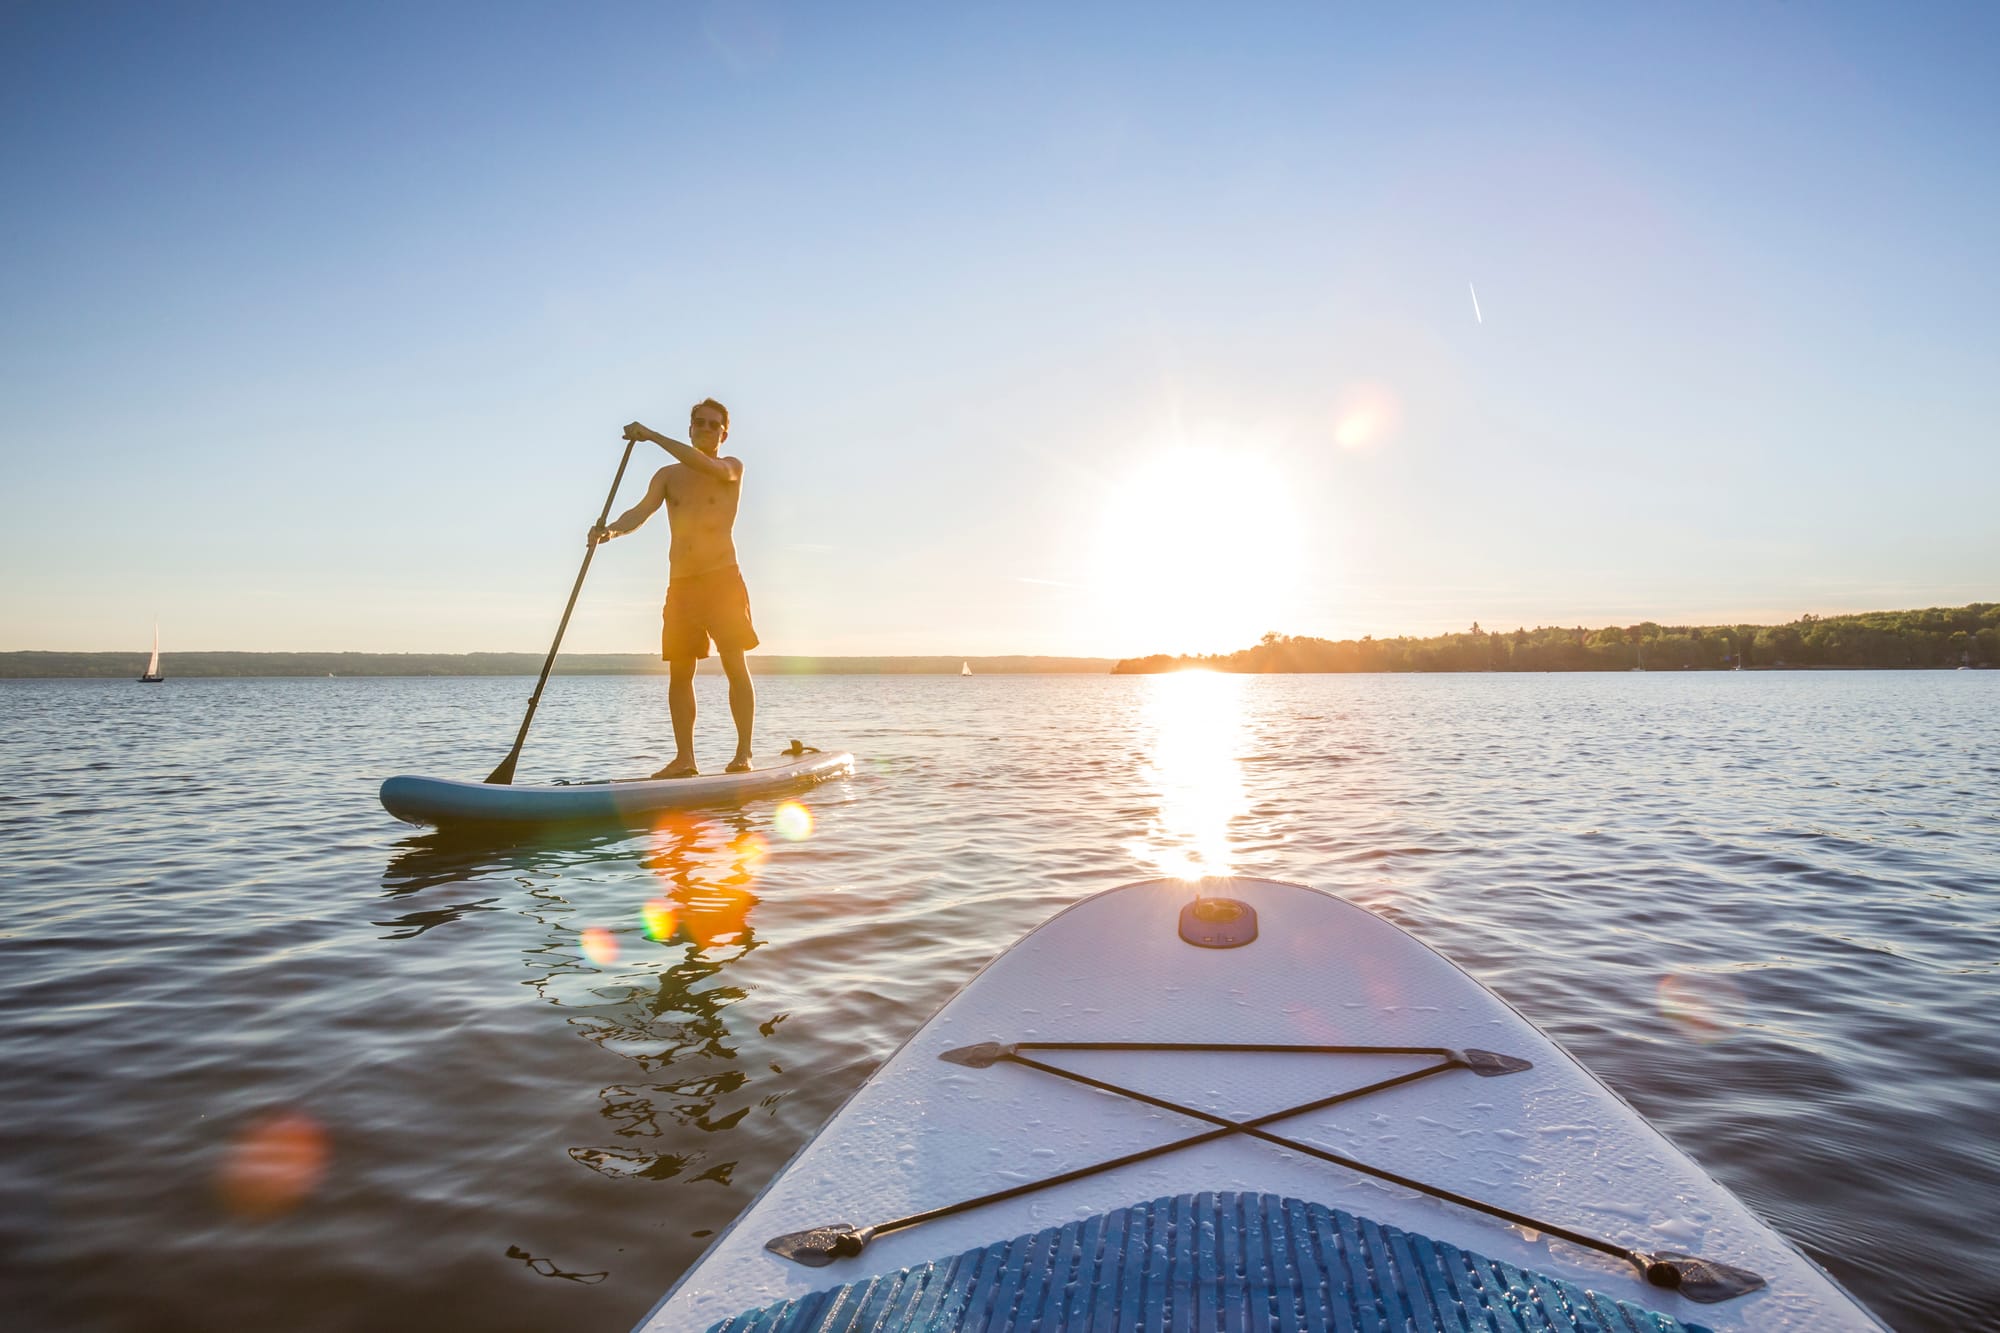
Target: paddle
[(504, 774)]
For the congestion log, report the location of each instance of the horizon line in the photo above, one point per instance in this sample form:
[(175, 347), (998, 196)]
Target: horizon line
[(1581, 624)]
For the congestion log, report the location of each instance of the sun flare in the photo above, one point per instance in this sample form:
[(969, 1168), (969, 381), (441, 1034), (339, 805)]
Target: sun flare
[(1367, 416), (1199, 550)]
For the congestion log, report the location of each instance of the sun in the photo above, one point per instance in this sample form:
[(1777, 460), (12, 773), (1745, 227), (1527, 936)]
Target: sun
[(1198, 551)]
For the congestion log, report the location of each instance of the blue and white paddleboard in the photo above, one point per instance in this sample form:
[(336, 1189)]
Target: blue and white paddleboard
[(450, 803), (1311, 1121)]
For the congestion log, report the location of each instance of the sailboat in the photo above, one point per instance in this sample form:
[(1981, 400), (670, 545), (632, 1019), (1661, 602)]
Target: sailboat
[(153, 676), (965, 668)]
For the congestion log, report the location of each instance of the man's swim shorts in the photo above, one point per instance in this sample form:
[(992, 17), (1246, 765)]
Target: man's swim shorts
[(711, 605)]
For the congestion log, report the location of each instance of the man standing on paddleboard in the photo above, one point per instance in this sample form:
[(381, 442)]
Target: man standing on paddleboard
[(706, 598)]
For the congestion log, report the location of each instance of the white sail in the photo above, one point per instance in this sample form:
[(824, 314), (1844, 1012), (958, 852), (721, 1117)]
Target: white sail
[(965, 668), (153, 665)]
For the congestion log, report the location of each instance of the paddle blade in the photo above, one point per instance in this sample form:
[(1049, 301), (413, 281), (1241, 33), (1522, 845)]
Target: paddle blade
[(504, 775)]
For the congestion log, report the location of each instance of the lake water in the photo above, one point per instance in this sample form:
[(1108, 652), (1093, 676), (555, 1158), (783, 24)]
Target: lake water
[(270, 1060)]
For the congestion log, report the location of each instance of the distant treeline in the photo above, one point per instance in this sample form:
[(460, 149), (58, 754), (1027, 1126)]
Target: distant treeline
[(1937, 637), (114, 665)]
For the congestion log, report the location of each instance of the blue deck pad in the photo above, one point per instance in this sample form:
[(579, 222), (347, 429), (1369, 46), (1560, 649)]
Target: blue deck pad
[(1212, 1261)]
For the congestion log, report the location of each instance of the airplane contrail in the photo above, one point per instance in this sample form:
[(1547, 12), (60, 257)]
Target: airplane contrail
[(1475, 302)]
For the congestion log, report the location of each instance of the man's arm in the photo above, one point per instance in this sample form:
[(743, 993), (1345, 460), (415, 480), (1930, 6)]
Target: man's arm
[(656, 495), (725, 469)]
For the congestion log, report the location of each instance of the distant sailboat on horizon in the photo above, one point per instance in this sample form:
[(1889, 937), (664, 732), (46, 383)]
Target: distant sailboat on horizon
[(965, 668), (153, 676)]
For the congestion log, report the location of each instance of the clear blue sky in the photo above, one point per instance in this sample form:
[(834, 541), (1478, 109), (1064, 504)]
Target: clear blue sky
[(1046, 328)]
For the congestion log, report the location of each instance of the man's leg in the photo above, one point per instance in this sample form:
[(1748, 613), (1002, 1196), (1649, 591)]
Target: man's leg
[(742, 703), (680, 703)]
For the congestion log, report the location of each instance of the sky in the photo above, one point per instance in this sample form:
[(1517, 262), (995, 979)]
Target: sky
[(1097, 330)]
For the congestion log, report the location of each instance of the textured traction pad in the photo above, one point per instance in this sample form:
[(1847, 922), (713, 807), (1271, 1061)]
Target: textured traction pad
[(1212, 1261)]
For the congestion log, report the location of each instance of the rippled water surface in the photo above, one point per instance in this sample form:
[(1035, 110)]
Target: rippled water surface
[(270, 1060)]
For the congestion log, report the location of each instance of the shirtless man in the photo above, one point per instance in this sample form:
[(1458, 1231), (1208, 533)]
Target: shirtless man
[(705, 594)]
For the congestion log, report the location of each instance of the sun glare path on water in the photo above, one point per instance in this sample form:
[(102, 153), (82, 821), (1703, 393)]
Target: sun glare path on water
[(1195, 771)]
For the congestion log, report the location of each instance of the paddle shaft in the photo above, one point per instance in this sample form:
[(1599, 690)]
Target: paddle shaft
[(504, 774)]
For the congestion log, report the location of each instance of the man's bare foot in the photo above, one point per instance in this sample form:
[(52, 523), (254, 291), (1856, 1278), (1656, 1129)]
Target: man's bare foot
[(740, 764), (680, 768)]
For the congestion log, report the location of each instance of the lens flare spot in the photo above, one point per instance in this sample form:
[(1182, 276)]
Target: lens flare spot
[(599, 945), (273, 1165), (794, 822), (1367, 415), (1703, 1009), (660, 919)]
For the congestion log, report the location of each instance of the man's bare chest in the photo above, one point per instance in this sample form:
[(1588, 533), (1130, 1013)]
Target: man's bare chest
[(694, 496)]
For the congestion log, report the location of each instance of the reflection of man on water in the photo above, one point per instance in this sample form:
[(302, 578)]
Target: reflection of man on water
[(706, 598)]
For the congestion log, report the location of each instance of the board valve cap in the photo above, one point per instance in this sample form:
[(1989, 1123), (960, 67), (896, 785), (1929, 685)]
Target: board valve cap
[(1218, 923)]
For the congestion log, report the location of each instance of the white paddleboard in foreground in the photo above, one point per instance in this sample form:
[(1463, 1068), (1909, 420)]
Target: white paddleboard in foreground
[(450, 803), (1269, 1215)]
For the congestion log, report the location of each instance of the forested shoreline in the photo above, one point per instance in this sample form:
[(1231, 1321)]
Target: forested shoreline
[(1934, 638), (1937, 638)]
